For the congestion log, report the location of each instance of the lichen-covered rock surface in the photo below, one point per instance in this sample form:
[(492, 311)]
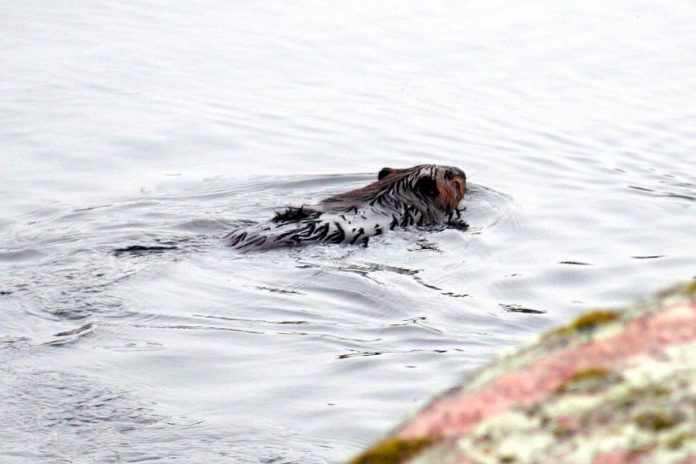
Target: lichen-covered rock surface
[(613, 386)]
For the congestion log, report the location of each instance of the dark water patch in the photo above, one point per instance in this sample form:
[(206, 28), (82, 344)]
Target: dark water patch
[(425, 245), (418, 322), (456, 295), (363, 354), (91, 208), (641, 189), (680, 196), (648, 257), (360, 354), (575, 263), (72, 336), (195, 327), (141, 250), (663, 194), (514, 308), (254, 321), (279, 290)]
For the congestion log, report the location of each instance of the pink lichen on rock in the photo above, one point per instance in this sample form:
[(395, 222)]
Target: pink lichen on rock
[(621, 457)]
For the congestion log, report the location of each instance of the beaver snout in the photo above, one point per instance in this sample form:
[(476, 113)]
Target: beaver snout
[(461, 185), (458, 182), (458, 179)]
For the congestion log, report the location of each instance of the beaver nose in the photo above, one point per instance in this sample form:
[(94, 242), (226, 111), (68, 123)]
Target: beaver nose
[(460, 183)]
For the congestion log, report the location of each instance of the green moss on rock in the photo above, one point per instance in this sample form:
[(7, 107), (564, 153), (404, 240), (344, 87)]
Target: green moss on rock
[(561, 431), (591, 372), (393, 451), (680, 440), (586, 322), (635, 396), (691, 289), (656, 421), (589, 377)]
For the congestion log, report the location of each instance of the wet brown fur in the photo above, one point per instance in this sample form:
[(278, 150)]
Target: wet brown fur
[(423, 195), (449, 191)]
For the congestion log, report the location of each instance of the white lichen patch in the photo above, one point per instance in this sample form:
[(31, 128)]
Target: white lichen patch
[(572, 405)]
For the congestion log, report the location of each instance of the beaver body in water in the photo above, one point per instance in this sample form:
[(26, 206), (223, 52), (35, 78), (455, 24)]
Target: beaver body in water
[(423, 195)]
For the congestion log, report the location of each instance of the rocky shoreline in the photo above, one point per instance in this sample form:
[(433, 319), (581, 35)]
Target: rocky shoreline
[(613, 386)]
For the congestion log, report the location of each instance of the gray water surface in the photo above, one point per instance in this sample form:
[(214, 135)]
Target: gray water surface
[(133, 135)]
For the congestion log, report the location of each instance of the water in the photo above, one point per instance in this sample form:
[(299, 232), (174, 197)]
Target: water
[(136, 134)]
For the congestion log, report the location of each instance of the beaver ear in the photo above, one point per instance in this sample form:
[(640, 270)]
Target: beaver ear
[(427, 186), (384, 173)]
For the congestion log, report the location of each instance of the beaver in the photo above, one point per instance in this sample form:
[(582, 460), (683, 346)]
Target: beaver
[(423, 195)]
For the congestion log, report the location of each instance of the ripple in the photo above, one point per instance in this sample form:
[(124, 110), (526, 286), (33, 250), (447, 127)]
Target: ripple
[(94, 420), (67, 337), (20, 255)]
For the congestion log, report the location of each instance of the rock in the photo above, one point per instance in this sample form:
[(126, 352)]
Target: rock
[(613, 386)]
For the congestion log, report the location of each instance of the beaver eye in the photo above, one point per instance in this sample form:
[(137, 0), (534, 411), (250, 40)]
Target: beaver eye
[(427, 186), (451, 174)]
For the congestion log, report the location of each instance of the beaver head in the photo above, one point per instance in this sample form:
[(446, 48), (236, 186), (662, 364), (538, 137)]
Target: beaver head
[(430, 189)]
